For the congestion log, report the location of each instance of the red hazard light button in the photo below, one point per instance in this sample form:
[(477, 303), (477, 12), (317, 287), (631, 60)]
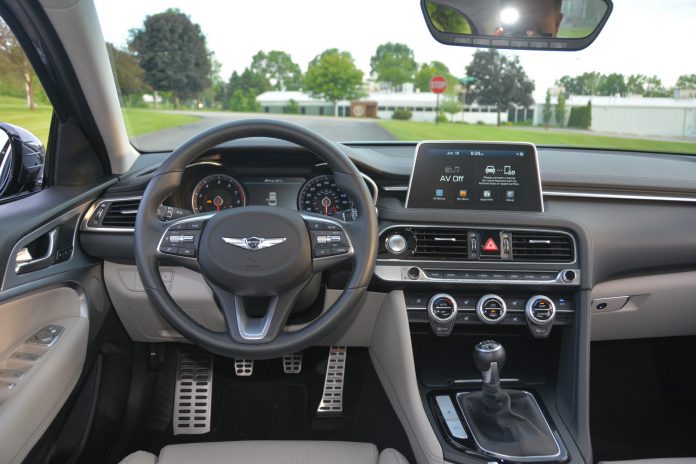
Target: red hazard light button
[(490, 245)]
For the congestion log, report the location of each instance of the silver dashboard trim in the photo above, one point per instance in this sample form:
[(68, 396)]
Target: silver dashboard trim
[(618, 196), (512, 229), (392, 273), (488, 142)]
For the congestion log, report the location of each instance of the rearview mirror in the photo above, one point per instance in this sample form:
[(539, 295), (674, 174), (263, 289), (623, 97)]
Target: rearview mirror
[(517, 24)]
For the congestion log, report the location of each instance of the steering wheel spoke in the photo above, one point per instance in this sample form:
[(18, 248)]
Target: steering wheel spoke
[(256, 319), (180, 241), (331, 242)]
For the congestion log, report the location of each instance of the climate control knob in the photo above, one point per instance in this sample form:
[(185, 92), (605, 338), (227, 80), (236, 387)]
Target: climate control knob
[(540, 310), (442, 313), (491, 309)]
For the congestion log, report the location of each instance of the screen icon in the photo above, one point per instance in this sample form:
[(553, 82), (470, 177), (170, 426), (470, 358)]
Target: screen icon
[(463, 193), (486, 194), (510, 194), (509, 171), (490, 169), (440, 193)]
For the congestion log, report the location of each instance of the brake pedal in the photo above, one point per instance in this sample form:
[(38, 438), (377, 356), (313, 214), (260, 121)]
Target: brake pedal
[(332, 397), (243, 367), (194, 392), (292, 363)]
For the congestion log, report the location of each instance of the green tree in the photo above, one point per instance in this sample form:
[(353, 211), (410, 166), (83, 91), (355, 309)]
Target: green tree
[(499, 81), (129, 75), (548, 110), (585, 84), (172, 50), (451, 105), (393, 63), (243, 90), (561, 110), (292, 107), (16, 66), (333, 76), (686, 82), (278, 69), (613, 84), (435, 68)]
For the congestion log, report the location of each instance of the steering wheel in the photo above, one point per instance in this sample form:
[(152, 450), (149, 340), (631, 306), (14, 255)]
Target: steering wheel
[(256, 257)]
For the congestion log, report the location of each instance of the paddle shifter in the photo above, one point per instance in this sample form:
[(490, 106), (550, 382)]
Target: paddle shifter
[(505, 423)]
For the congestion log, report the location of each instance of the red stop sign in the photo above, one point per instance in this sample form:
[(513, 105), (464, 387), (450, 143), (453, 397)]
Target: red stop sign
[(438, 84)]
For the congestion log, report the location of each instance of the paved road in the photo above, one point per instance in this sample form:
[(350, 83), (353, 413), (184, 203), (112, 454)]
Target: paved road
[(339, 129)]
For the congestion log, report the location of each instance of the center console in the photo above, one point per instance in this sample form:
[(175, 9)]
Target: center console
[(492, 314)]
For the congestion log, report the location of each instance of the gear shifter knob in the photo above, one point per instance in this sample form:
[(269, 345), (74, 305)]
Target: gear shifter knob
[(486, 353)]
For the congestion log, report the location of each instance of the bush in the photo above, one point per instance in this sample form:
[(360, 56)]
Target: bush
[(581, 117), (292, 107), (402, 114), (480, 123), (441, 118)]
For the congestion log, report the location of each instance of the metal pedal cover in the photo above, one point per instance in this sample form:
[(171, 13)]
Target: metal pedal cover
[(194, 392), (332, 398), (243, 367), (292, 363)]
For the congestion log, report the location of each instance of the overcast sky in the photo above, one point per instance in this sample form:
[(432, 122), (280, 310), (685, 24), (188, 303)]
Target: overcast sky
[(642, 36)]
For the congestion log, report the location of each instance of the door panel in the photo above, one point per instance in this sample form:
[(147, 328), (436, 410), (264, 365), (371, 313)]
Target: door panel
[(38, 374)]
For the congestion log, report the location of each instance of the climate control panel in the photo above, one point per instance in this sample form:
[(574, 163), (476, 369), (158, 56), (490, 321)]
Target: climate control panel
[(443, 311)]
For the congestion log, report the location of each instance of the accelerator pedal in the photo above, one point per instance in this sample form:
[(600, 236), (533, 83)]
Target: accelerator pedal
[(243, 367), (331, 403), (194, 392), (292, 363)]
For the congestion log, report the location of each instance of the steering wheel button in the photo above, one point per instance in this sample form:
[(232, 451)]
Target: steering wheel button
[(322, 251), (190, 252), (169, 250)]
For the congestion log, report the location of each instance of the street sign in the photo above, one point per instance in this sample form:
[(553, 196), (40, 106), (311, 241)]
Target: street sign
[(438, 84)]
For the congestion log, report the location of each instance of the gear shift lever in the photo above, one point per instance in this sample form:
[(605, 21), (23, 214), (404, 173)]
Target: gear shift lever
[(505, 422), (489, 358)]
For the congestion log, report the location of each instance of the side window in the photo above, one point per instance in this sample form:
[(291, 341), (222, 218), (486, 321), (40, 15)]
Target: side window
[(25, 121)]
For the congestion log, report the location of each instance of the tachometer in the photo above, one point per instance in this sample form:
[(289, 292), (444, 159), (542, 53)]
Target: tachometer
[(321, 195), (217, 192)]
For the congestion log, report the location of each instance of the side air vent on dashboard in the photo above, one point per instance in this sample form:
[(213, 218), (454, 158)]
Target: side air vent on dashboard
[(113, 214), (542, 247), (440, 243), (121, 214)]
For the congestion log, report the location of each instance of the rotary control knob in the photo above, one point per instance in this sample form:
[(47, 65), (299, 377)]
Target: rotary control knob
[(396, 244), (442, 312), (540, 310), (491, 309)]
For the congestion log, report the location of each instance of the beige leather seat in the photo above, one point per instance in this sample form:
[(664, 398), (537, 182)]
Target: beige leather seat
[(267, 452)]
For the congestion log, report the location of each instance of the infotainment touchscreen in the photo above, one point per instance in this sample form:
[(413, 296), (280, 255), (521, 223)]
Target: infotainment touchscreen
[(475, 175)]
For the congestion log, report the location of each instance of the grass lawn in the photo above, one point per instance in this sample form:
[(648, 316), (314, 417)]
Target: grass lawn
[(138, 121), (410, 130)]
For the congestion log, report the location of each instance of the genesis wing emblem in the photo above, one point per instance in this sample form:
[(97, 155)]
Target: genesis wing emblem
[(254, 243)]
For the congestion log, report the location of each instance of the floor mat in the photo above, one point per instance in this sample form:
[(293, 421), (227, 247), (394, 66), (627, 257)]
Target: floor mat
[(272, 405), (643, 399)]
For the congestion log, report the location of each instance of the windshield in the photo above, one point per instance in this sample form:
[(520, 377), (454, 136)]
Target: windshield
[(364, 70)]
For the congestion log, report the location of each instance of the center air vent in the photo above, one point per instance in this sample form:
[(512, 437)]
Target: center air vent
[(542, 247), (440, 243)]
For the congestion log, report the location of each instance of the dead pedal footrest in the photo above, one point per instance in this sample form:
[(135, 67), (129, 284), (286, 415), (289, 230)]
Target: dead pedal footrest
[(194, 392), (332, 398)]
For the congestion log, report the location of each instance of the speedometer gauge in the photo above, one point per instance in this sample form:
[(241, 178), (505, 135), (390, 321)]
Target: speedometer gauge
[(321, 195), (217, 192)]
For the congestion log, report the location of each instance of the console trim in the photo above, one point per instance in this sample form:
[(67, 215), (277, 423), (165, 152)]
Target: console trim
[(391, 273)]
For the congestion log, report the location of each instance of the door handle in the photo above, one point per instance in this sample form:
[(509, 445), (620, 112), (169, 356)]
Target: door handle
[(25, 263)]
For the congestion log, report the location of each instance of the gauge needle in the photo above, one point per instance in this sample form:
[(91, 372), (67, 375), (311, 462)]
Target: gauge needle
[(217, 201), (326, 202)]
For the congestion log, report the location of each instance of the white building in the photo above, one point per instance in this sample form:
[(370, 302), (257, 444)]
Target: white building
[(664, 117), (421, 104)]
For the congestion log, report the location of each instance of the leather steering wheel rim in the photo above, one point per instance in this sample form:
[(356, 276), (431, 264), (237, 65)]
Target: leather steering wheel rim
[(363, 232)]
